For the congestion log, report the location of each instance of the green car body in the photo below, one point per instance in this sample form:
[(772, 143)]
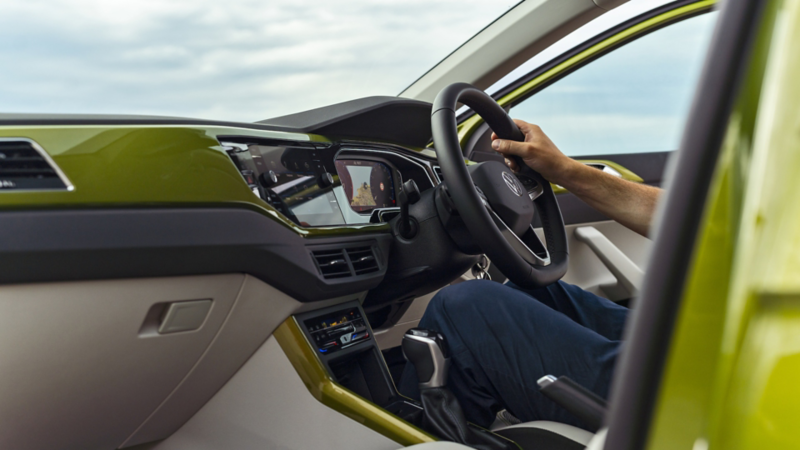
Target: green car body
[(734, 358)]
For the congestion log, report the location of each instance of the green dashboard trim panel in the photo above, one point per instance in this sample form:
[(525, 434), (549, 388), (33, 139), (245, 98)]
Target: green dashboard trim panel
[(152, 166), (468, 126), (304, 360)]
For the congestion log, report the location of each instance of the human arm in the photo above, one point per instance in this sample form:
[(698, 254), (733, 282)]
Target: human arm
[(631, 204)]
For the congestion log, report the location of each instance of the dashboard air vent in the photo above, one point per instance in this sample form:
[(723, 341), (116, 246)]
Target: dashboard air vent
[(363, 260), (332, 263), (346, 262), (24, 165), (438, 171)]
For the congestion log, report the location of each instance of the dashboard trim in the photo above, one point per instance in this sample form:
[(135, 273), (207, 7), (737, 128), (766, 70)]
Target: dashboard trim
[(305, 361)]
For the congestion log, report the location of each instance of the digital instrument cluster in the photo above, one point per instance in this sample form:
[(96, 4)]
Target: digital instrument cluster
[(368, 185)]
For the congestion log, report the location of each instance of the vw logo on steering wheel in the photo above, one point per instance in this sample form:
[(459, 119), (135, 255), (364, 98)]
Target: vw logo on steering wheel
[(511, 182)]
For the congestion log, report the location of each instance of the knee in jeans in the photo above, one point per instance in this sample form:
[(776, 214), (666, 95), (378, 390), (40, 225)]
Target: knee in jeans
[(458, 296)]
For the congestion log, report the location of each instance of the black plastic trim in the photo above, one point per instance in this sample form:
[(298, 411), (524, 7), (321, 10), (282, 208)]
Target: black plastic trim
[(391, 119), (648, 334), (539, 438), (44, 246)]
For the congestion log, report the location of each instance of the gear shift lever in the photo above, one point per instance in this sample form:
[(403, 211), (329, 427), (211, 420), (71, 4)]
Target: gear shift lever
[(442, 415), (427, 350)]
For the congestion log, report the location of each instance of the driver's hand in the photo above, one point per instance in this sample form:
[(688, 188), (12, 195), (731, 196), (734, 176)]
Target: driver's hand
[(537, 152)]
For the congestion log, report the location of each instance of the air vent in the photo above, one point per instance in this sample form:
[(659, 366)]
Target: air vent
[(363, 260), (346, 262), (438, 171), (24, 165), (332, 263)]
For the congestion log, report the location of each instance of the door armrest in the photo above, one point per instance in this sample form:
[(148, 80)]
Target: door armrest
[(628, 274)]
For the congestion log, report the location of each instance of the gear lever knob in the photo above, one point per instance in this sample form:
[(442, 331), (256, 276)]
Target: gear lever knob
[(427, 350)]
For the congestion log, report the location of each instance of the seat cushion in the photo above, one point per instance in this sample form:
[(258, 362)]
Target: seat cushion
[(544, 435)]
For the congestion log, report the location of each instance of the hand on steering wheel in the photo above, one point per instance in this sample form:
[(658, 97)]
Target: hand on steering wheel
[(537, 152), (498, 212)]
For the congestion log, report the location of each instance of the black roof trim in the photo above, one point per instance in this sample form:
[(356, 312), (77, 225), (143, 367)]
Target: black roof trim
[(389, 119)]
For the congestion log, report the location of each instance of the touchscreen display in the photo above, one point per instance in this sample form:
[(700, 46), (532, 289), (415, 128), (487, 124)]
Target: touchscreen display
[(367, 184), (298, 192)]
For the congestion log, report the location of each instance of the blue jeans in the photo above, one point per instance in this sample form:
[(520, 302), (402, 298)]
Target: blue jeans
[(503, 339)]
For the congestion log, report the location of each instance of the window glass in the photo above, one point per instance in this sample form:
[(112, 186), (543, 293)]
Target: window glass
[(633, 100)]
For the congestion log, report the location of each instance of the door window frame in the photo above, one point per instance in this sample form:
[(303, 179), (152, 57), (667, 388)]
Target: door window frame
[(583, 54)]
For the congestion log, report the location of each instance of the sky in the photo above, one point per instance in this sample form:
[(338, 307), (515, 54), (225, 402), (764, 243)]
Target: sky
[(239, 60), (632, 100)]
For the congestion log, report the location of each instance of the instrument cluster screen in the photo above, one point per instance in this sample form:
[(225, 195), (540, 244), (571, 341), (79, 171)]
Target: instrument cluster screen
[(337, 331), (368, 185)]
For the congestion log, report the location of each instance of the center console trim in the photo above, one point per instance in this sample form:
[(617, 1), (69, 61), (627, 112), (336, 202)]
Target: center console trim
[(315, 376)]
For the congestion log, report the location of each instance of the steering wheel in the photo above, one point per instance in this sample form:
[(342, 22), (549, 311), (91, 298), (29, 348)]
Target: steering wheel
[(496, 205)]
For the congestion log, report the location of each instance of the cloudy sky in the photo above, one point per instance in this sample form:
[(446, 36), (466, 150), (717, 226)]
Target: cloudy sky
[(247, 60), (233, 60)]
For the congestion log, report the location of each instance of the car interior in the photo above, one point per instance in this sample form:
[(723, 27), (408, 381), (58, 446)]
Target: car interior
[(173, 283)]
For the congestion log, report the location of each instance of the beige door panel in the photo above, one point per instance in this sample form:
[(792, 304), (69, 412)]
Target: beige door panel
[(588, 271)]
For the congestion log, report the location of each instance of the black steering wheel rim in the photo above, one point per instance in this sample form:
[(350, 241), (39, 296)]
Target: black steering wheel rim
[(504, 252)]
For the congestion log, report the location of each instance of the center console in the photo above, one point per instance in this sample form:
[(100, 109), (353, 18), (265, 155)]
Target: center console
[(343, 340)]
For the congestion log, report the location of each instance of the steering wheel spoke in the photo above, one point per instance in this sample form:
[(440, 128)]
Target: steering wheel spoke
[(538, 257)]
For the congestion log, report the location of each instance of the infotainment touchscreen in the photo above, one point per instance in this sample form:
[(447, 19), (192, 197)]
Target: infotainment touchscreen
[(368, 185)]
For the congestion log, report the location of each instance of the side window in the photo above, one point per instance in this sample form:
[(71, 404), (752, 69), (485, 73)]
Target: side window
[(632, 100)]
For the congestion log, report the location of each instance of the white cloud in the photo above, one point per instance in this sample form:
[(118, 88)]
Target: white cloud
[(232, 60)]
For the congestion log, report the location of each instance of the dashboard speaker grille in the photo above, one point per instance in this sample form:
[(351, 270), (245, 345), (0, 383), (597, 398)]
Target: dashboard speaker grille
[(346, 262), (24, 165)]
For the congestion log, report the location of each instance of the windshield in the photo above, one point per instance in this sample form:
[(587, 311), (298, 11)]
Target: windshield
[(237, 60)]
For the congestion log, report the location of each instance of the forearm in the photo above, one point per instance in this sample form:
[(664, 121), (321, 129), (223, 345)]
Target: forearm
[(631, 204)]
